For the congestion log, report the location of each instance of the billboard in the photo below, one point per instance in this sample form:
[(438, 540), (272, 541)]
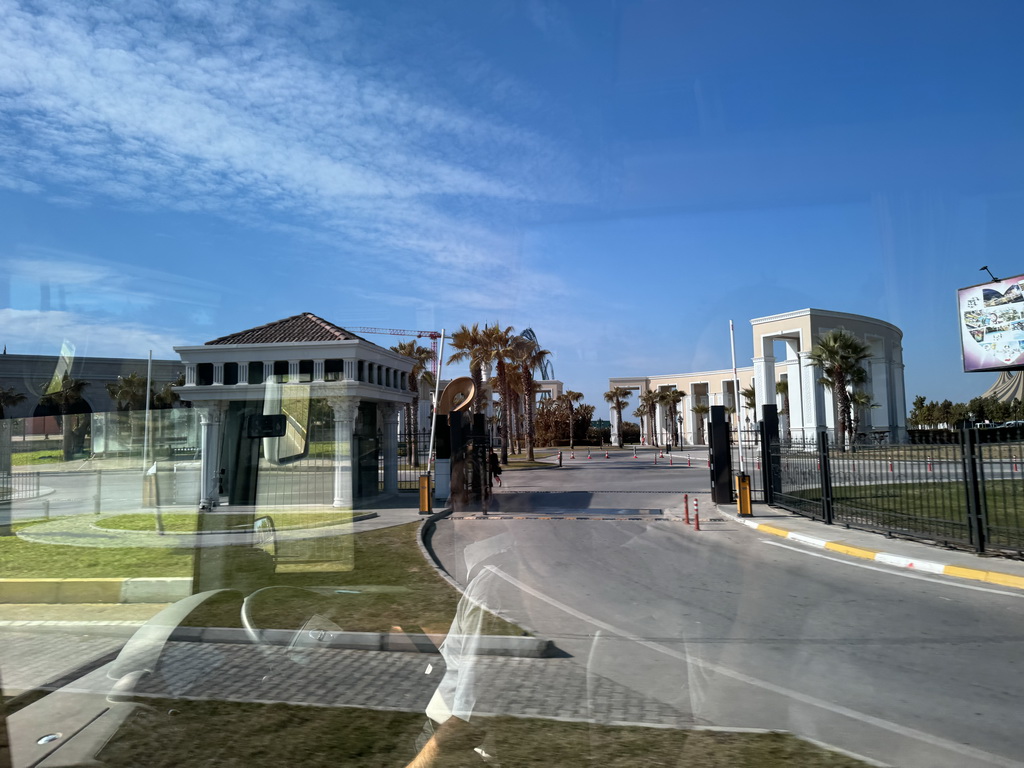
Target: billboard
[(991, 317)]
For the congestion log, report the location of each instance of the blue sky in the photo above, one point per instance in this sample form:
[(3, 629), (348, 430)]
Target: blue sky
[(623, 177)]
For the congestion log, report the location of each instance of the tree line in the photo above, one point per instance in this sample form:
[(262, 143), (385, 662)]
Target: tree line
[(929, 414)]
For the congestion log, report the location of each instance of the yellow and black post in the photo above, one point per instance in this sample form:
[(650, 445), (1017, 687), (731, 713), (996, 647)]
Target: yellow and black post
[(743, 494), (425, 494)]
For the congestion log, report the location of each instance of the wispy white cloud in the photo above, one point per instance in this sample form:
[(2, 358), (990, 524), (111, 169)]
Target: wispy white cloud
[(275, 114), (32, 331)]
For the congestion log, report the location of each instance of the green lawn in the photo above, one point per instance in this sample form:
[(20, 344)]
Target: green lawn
[(176, 522), (31, 458), (232, 734), (392, 584), (935, 505), (25, 559)]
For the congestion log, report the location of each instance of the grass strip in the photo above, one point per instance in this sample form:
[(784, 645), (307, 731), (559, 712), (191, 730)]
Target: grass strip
[(392, 584), (177, 522), (229, 734)]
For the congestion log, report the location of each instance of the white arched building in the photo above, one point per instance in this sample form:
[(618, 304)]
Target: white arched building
[(782, 347)]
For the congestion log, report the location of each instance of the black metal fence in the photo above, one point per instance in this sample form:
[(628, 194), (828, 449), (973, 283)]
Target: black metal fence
[(19, 485), (967, 493)]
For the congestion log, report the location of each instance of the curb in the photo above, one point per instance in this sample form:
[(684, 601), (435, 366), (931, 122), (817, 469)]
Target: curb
[(489, 645), (899, 561)]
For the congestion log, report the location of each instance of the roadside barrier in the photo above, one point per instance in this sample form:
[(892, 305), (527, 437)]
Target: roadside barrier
[(606, 454), (686, 507)]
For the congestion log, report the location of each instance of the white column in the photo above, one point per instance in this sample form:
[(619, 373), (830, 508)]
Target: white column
[(613, 417), (268, 370), (243, 373), (879, 418), (345, 410), (764, 383), (349, 373), (390, 412), (190, 374), (218, 373), (211, 415), (812, 400), (796, 402), (293, 371), (318, 370), (899, 405)]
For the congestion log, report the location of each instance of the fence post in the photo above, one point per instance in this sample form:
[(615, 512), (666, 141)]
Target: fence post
[(826, 478), (974, 476)]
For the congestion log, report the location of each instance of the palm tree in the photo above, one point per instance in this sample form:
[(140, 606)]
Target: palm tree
[(468, 343), (570, 398), (859, 401), (64, 398), (650, 400), (129, 394), (167, 397), (496, 346), (749, 395), (421, 357), (617, 397), (9, 397), (839, 354), (530, 358), (702, 410), (669, 399)]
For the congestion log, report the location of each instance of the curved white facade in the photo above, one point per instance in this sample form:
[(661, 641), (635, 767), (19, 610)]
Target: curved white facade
[(782, 346)]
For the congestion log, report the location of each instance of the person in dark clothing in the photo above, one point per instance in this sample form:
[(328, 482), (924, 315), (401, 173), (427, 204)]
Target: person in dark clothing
[(495, 467)]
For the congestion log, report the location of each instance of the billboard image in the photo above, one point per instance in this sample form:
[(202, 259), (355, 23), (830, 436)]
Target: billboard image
[(992, 325)]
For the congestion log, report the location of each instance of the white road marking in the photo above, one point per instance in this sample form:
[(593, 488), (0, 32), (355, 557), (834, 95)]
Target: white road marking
[(913, 733), (950, 583)]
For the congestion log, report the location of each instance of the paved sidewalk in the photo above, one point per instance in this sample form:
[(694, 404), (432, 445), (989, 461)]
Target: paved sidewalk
[(901, 553)]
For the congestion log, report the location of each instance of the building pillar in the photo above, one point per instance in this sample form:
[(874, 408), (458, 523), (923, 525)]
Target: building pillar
[(764, 383), (211, 416), (345, 410), (293, 371), (318, 370), (349, 372), (243, 373), (268, 371), (390, 412), (812, 399), (898, 404), (881, 375), (613, 417), (190, 374), (218, 373)]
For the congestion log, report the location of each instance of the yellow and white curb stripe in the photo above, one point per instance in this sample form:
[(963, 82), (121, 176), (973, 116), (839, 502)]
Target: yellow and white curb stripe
[(928, 566)]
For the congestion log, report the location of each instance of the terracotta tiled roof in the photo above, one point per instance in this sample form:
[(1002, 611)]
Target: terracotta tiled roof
[(304, 327)]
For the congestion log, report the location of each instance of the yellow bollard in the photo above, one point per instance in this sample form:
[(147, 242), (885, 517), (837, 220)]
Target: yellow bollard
[(425, 494), (743, 494)]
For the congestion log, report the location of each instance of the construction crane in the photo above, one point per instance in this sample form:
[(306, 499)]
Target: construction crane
[(432, 335)]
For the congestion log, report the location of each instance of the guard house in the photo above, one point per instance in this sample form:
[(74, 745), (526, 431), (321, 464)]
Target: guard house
[(277, 369)]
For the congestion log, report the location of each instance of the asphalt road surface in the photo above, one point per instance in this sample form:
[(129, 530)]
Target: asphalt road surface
[(730, 629)]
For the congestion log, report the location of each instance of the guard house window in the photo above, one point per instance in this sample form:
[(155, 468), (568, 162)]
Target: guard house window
[(256, 373), (305, 370), (204, 374), (230, 373), (334, 370), (281, 371)]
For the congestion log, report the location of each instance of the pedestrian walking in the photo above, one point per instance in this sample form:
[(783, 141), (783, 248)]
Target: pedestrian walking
[(495, 467)]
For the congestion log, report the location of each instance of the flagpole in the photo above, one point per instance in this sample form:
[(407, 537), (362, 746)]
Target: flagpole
[(736, 394)]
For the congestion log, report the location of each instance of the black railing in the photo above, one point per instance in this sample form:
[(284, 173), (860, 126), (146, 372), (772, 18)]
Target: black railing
[(967, 493), (19, 485)]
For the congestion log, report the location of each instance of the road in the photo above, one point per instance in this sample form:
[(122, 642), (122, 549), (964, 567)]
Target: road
[(731, 630)]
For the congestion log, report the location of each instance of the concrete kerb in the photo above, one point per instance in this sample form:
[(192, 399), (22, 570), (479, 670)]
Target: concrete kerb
[(887, 558), (489, 645)]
